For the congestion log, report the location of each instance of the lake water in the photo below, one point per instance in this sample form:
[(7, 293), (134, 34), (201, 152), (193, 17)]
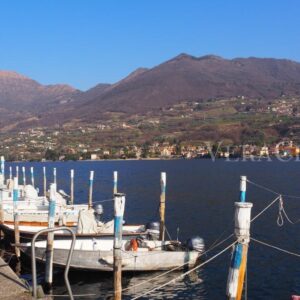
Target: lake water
[(200, 201)]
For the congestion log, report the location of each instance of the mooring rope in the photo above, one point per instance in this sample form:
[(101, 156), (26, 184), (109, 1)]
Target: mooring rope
[(268, 206), (186, 273), (275, 247), (272, 191)]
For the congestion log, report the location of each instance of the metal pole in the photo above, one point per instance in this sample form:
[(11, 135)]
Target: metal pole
[(16, 215), (162, 206), (119, 206), (235, 281), (91, 189), (33, 261), (115, 182), (72, 187), (50, 238)]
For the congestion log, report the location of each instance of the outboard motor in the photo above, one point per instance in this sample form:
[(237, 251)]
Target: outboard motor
[(152, 229), (98, 211), (195, 243)]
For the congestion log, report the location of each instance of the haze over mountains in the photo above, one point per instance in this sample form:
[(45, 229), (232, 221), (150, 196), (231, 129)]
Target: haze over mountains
[(25, 102)]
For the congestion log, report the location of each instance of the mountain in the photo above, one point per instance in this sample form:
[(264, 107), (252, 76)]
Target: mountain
[(186, 77), (25, 102), (18, 92)]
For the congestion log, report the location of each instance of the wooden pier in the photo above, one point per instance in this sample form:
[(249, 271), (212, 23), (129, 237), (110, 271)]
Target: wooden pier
[(11, 285)]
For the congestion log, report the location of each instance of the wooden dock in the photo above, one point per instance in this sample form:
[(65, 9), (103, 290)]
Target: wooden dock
[(11, 286)]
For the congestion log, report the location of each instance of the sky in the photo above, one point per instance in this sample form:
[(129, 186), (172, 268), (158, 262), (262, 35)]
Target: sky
[(86, 42)]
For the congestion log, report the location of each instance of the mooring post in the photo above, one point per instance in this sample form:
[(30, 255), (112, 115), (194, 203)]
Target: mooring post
[(115, 182), (16, 215), (50, 238), (119, 206), (24, 175), (2, 170), (72, 187), (235, 281), (91, 190), (32, 176), (10, 172), (162, 206), (45, 181), (54, 176), (1, 208)]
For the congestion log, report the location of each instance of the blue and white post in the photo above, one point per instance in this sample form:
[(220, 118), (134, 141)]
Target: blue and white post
[(119, 207), (2, 171), (162, 205), (235, 281), (32, 176), (16, 215), (72, 187), (54, 176), (44, 181), (50, 238), (115, 182), (24, 176), (91, 190)]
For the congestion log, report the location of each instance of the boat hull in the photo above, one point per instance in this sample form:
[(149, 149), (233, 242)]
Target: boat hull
[(131, 260)]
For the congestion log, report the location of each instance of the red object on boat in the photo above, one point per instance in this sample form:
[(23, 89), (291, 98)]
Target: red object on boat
[(294, 297)]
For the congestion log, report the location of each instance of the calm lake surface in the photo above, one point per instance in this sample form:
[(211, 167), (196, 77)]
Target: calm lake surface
[(200, 201)]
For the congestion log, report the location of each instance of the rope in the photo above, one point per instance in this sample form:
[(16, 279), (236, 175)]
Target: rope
[(186, 273), (79, 295), (101, 201), (280, 220), (261, 212), (178, 267), (275, 247), (272, 191)]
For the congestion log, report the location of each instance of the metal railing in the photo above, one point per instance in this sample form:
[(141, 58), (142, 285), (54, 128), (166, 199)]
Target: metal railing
[(33, 262)]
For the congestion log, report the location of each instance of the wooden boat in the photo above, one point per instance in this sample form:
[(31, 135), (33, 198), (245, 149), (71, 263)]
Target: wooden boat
[(97, 254)]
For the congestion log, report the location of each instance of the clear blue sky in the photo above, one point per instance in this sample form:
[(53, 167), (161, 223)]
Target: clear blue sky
[(85, 42)]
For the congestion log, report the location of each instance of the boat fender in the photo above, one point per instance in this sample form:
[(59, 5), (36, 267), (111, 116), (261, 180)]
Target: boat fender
[(133, 245)]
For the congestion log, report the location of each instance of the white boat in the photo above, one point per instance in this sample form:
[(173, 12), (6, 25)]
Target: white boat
[(97, 254)]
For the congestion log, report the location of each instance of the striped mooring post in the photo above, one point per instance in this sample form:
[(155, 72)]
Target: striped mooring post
[(44, 181), (72, 187), (162, 205), (115, 190), (32, 176), (235, 281), (54, 176), (16, 215), (24, 175), (90, 204), (2, 171), (1, 209), (119, 207), (50, 238)]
